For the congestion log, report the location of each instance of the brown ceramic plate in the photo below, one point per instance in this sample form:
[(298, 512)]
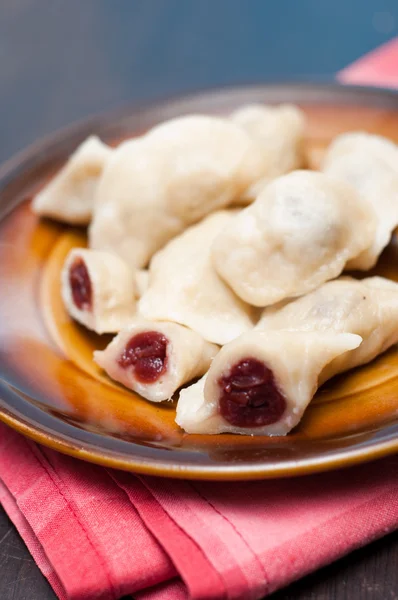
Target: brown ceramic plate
[(50, 389)]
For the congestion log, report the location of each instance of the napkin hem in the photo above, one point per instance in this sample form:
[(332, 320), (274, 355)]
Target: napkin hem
[(263, 587), (319, 538), (58, 484), (31, 541), (178, 507)]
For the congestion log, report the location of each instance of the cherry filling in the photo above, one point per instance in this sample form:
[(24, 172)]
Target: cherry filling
[(250, 396), (79, 281), (146, 353)]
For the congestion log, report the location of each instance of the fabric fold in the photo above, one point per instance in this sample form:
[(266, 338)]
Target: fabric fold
[(199, 575), (80, 518), (28, 535), (226, 549), (98, 533)]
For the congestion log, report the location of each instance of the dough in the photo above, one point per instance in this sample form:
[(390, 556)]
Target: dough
[(98, 290), (262, 382), (279, 130), (299, 233), (157, 185), (184, 286), (369, 163), (141, 282), (69, 196), (155, 359)]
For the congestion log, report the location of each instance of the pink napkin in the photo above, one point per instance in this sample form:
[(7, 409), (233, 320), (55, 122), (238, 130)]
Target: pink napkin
[(102, 534), (379, 67)]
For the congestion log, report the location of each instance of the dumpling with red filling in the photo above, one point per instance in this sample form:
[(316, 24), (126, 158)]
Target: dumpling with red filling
[(156, 358), (98, 290), (262, 382), (299, 233), (69, 197)]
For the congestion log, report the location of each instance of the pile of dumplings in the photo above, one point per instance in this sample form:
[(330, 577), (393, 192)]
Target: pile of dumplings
[(216, 259)]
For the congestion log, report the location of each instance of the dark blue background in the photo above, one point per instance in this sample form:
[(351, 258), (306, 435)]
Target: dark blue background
[(61, 60)]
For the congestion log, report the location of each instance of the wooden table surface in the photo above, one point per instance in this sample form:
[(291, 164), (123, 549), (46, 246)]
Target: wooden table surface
[(61, 60)]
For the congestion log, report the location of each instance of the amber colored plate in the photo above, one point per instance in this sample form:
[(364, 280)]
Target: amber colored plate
[(50, 389)]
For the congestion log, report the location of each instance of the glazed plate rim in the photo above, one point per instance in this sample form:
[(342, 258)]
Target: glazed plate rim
[(49, 430)]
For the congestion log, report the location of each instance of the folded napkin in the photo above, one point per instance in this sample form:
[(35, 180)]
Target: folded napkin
[(97, 533), (103, 534)]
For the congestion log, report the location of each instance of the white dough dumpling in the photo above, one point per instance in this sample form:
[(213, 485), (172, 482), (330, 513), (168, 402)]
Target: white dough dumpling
[(98, 290), (355, 141), (70, 195), (299, 233), (369, 163), (262, 382), (242, 311), (157, 185), (156, 358), (184, 286), (280, 131)]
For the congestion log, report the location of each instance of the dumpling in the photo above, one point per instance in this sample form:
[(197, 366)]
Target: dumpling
[(343, 305), (155, 359), (184, 286), (131, 218), (355, 141), (98, 290), (262, 382), (157, 185), (300, 232), (69, 196), (280, 131), (369, 163)]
